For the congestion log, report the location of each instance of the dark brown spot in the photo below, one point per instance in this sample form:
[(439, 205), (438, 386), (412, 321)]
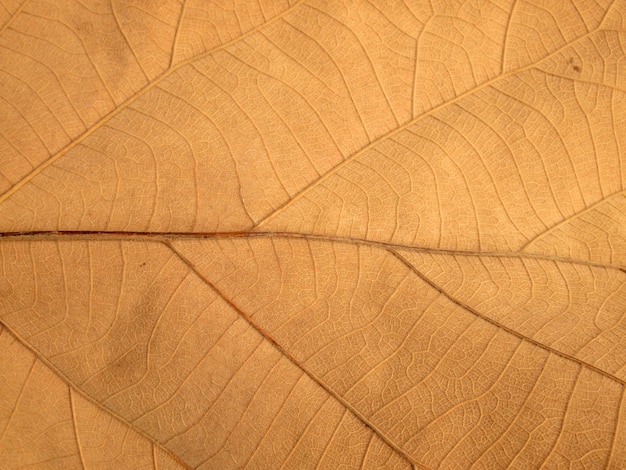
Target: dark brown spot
[(570, 61)]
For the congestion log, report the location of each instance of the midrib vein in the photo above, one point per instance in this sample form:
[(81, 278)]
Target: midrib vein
[(167, 236), (76, 389), (45, 164)]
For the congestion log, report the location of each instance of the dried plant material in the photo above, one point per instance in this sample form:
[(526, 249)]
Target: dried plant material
[(312, 234)]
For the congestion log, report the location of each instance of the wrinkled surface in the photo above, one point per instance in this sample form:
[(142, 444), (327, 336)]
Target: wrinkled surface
[(312, 234)]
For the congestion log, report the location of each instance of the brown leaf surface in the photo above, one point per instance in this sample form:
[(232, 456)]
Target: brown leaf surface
[(312, 234)]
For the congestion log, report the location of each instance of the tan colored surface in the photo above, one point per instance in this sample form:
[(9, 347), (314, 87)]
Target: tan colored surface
[(312, 234)]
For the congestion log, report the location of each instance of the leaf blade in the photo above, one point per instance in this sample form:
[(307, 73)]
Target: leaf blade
[(400, 219)]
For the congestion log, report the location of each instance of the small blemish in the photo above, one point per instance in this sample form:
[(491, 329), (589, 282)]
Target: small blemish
[(576, 68)]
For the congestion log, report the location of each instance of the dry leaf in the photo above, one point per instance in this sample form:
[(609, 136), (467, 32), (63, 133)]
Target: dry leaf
[(312, 234)]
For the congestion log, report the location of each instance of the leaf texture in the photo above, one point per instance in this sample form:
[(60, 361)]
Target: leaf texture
[(47, 424), (313, 234)]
